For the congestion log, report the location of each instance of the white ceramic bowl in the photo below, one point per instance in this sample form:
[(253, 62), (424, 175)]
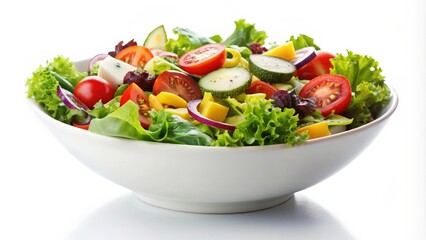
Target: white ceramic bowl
[(214, 179)]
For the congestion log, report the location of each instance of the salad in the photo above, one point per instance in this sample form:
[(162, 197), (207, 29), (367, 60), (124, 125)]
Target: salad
[(213, 91)]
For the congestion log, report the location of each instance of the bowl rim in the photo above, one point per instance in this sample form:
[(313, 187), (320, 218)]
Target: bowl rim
[(388, 111)]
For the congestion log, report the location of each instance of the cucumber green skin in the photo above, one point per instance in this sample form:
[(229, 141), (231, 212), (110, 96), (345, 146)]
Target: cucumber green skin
[(225, 94), (64, 83), (269, 76), (150, 43)]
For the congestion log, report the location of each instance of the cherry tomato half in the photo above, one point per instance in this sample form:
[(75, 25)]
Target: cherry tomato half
[(84, 126), (92, 89), (137, 95), (135, 55), (332, 92), (177, 83), (262, 87), (318, 66), (204, 59)]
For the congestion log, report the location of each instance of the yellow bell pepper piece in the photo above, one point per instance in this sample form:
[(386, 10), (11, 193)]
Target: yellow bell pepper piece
[(181, 112), (235, 60), (244, 63), (285, 51), (315, 130), (215, 111), (170, 99), (207, 97), (154, 103)]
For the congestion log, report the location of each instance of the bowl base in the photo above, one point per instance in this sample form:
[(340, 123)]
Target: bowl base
[(214, 208)]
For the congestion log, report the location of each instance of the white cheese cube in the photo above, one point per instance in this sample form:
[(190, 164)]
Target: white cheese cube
[(114, 70)]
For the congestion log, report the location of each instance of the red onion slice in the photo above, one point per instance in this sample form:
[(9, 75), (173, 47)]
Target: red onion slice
[(195, 114), (303, 56), (160, 53), (96, 59), (72, 102)]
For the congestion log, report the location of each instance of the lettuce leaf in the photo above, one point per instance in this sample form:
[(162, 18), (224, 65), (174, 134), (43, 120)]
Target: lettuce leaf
[(303, 41), (165, 127), (187, 40), (42, 86), (365, 104), (367, 83), (101, 110), (263, 125), (245, 34)]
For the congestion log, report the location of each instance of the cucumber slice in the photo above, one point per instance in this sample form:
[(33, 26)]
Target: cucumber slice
[(226, 82), (156, 39), (271, 69)]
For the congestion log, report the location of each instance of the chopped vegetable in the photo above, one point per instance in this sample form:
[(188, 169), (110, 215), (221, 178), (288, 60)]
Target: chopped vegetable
[(156, 39), (214, 91), (285, 51), (193, 111), (367, 82), (315, 130), (43, 86), (226, 82), (304, 56), (271, 69), (171, 99), (289, 99)]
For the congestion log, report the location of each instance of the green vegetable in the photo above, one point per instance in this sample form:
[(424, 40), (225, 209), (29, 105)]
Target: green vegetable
[(43, 85), (67, 69), (245, 34), (263, 125), (95, 69), (165, 127), (332, 119), (101, 110), (158, 65), (226, 82), (64, 83), (303, 41), (244, 51), (156, 39), (271, 69), (367, 83), (187, 41)]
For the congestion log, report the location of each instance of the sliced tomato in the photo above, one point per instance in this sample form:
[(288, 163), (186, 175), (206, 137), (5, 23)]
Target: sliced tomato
[(92, 89), (177, 83), (137, 95), (204, 59), (84, 126), (318, 66), (332, 93), (262, 87), (135, 55)]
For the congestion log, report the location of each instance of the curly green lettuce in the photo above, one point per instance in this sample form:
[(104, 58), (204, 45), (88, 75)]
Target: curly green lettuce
[(42, 86), (367, 83), (263, 125)]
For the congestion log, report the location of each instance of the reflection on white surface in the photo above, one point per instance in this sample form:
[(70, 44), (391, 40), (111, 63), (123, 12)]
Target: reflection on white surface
[(298, 218)]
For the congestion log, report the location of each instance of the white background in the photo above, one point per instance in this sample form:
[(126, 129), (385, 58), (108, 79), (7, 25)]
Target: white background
[(47, 194)]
